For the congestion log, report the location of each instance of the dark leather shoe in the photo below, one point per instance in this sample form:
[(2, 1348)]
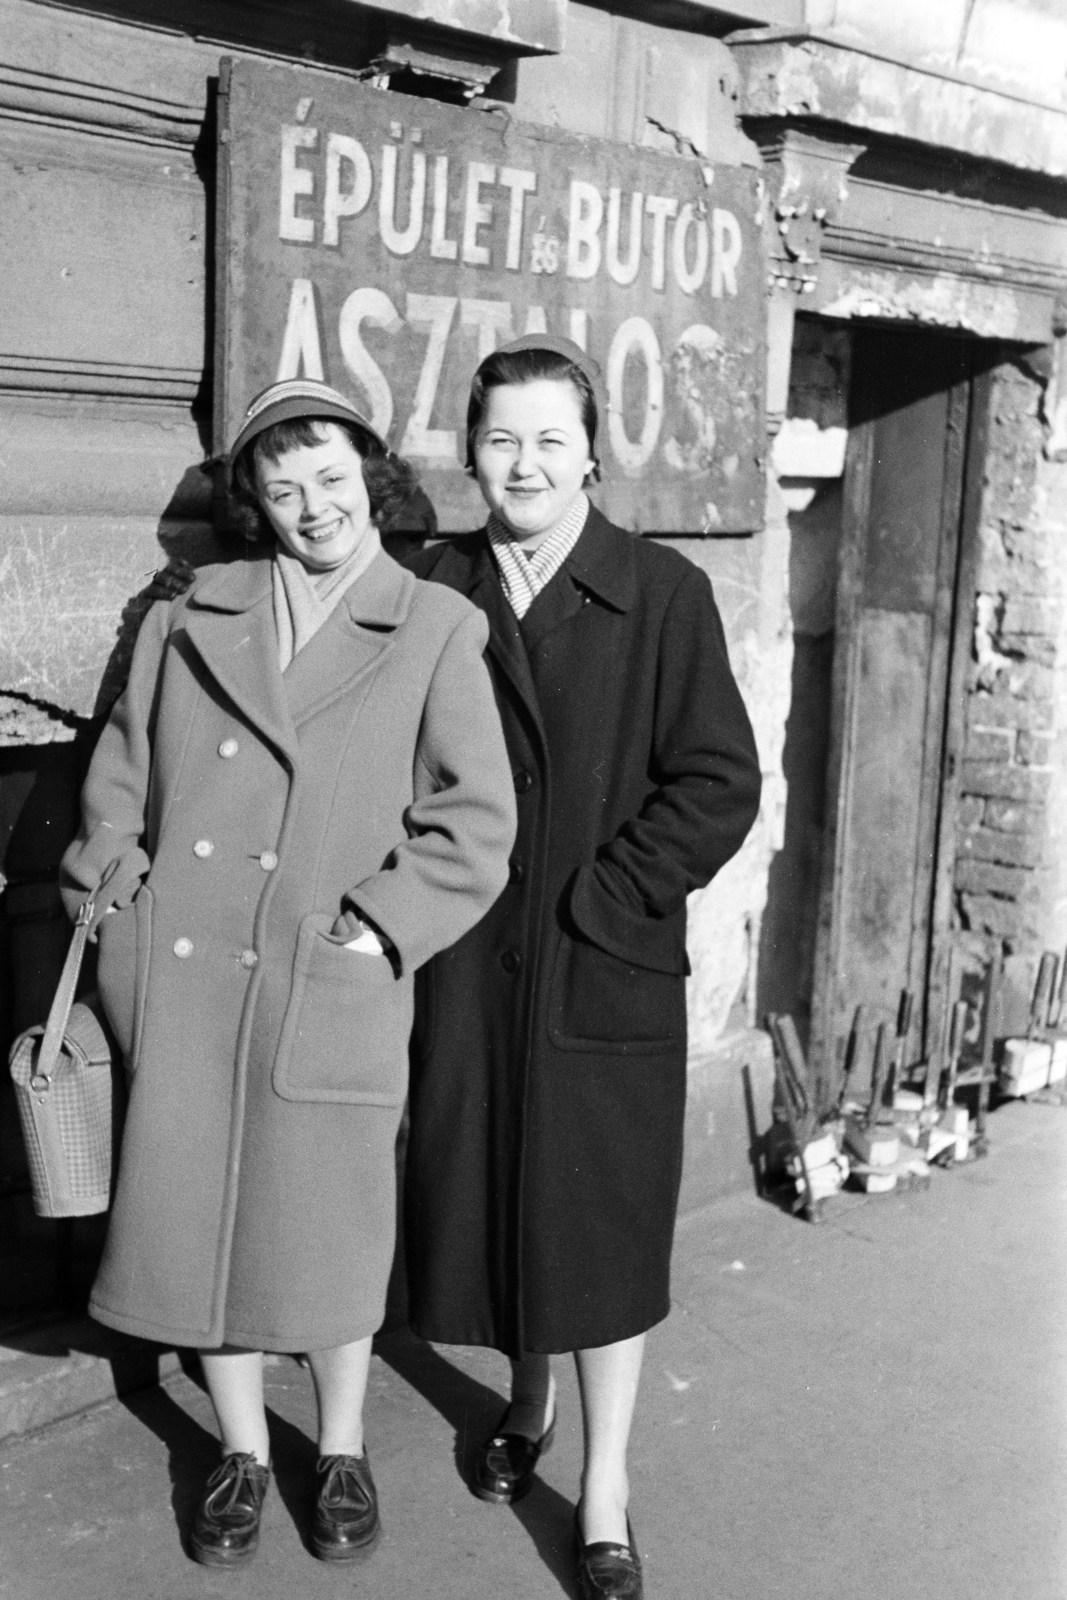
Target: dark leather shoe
[(225, 1529), (504, 1467), (608, 1571), (346, 1512)]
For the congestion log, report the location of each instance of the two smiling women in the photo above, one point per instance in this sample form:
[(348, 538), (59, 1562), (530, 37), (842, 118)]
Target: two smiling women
[(309, 795)]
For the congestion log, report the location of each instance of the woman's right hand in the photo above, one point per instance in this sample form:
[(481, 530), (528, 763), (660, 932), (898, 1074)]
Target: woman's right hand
[(171, 581)]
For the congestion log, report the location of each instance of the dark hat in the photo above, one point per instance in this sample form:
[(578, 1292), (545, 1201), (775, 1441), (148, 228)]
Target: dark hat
[(293, 398), (570, 351)]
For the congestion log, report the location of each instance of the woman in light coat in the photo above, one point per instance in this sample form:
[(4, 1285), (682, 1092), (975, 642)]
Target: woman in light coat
[(307, 793)]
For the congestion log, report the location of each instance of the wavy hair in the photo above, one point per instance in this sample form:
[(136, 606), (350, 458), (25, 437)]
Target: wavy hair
[(390, 480)]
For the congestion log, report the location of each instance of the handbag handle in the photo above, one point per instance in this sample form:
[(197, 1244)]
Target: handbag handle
[(63, 999)]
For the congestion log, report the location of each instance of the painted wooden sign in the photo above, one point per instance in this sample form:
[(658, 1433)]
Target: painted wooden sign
[(387, 244)]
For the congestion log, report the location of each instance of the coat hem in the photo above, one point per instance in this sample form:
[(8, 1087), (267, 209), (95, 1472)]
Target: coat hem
[(199, 1339), (436, 1333)]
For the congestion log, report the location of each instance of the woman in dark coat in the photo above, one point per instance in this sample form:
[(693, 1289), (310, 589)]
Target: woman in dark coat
[(548, 1090), (305, 794)]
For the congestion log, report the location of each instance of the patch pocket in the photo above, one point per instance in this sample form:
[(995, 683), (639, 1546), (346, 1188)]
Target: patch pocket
[(345, 1034), (600, 1003), (125, 942)]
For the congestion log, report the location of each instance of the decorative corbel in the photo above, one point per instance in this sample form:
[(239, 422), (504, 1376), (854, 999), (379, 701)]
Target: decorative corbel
[(805, 189)]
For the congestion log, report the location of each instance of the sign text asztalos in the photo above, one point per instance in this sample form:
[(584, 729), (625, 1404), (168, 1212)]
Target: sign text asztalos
[(387, 244)]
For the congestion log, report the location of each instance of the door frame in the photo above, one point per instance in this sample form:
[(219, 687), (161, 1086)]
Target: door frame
[(930, 935)]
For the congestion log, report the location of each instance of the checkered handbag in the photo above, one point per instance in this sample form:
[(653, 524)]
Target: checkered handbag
[(70, 1089)]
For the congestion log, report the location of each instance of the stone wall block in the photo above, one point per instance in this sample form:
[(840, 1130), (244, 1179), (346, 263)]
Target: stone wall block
[(1006, 711), (990, 744), (997, 779), (1029, 647), (986, 914), (1030, 679), (1027, 614), (1034, 749), (1007, 849), (990, 877), (971, 811), (1008, 816)]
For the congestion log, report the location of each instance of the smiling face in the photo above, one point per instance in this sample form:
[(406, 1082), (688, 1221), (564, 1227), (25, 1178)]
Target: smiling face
[(315, 499), (531, 454)]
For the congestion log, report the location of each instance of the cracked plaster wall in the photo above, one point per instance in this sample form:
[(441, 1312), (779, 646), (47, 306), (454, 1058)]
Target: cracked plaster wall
[(1011, 866)]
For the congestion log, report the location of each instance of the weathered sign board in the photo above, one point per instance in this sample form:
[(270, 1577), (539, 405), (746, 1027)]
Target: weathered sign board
[(387, 244)]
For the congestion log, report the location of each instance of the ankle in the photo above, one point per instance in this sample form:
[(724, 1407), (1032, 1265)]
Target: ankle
[(531, 1414), (257, 1448), (341, 1445), (602, 1507)]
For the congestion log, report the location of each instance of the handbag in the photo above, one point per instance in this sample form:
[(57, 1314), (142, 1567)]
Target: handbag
[(70, 1089)]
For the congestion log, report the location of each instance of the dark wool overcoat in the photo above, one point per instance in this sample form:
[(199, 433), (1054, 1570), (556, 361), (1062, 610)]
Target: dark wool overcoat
[(248, 810), (549, 1079)]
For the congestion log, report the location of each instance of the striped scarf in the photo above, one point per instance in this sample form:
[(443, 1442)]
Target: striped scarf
[(522, 576)]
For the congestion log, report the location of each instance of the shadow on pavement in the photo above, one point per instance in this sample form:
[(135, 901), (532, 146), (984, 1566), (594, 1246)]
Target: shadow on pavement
[(473, 1410), (194, 1453)]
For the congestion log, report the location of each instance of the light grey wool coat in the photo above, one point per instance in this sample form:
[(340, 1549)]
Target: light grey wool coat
[(248, 811)]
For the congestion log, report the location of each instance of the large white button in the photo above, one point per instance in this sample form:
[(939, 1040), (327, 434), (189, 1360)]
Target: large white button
[(268, 861), (203, 848), (183, 948), (248, 958), (228, 748)]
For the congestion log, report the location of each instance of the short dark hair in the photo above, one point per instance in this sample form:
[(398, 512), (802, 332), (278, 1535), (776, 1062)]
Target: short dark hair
[(504, 368), (390, 480)]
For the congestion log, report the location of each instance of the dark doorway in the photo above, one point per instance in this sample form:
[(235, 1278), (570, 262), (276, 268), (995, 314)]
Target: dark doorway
[(896, 620)]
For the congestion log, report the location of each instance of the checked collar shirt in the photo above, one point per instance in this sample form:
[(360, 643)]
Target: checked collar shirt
[(522, 576)]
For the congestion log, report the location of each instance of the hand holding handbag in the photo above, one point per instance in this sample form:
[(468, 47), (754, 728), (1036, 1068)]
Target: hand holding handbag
[(70, 1089)]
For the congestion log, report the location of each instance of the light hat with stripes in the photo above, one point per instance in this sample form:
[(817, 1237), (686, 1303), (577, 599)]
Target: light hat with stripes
[(293, 398)]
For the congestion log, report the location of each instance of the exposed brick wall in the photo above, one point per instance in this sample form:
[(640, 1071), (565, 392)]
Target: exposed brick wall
[(1010, 869)]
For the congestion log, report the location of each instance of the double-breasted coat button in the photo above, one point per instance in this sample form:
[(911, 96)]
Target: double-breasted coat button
[(183, 948), (511, 961), (523, 781), (516, 871), (248, 958), (203, 848), (268, 861), (228, 748)]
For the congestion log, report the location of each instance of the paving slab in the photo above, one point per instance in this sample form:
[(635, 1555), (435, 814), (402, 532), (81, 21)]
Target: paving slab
[(869, 1407)]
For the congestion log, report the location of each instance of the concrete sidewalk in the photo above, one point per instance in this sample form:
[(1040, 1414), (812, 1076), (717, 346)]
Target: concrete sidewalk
[(873, 1407)]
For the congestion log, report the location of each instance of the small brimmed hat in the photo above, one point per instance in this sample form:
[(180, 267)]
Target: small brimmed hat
[(572, 352), (293, 398)]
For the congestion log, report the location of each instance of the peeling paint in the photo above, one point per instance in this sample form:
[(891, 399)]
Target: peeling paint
[(942, 301), (816, 78), (533, 24)]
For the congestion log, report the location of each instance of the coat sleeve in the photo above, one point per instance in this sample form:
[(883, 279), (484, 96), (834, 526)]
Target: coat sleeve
[(706, 768), (461, 825), (116, 787)]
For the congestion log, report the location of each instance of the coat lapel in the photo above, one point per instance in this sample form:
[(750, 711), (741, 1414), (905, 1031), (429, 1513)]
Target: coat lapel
[(558, 601), (359, 632), (480, 582), (230, 621), (600, 567)]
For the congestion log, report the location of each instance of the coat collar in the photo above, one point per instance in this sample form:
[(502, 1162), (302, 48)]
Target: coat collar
[(603, 562), (230, 620), (380, 597)]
